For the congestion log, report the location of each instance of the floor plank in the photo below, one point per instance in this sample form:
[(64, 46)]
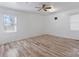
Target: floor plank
[(41, 46)]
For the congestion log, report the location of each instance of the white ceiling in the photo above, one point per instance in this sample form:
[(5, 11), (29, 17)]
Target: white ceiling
[(30, 6)]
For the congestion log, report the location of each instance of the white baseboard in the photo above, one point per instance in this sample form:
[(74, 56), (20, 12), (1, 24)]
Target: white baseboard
[(64, 36), (27, 37), (8, 40)]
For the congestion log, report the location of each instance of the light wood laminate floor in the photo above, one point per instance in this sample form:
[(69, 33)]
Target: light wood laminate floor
[(41, 46)]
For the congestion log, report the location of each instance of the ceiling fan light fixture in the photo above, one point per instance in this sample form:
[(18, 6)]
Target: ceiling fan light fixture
[(50, 10)]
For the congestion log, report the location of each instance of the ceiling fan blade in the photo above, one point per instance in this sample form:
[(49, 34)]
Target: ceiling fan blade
[(37, 7), (43, 6), (40, 9), (48, 7), (44, 9)]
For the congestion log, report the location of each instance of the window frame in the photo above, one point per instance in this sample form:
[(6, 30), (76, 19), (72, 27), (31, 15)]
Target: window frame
[(14, 25), (73, 24)]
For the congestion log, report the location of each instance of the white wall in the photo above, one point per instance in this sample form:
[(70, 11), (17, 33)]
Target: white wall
[(31, 24), (28, 25), (61, 27)]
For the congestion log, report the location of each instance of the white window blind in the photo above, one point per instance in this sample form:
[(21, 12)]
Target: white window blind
[(74, 22), (9, 23)]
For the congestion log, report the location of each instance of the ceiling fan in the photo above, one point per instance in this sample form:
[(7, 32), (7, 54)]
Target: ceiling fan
[(44, 7)]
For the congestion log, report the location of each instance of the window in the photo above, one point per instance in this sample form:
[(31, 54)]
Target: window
[(9, 23), (74, 22)]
